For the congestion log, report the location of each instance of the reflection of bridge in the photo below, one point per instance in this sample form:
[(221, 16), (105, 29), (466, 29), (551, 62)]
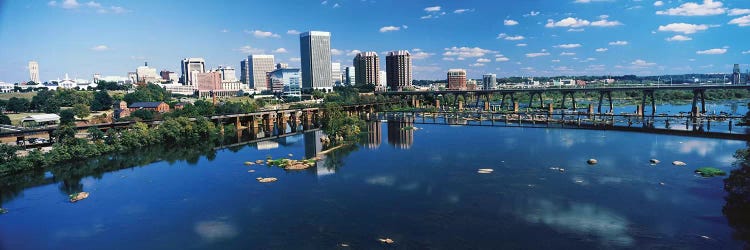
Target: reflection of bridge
[(647, 91), (628, 123)]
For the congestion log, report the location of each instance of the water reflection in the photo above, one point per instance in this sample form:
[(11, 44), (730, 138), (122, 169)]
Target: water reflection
[(401, 132), (737, 206), (374, 134)]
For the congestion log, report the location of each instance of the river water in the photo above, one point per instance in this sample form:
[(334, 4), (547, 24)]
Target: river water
[(418, 187)]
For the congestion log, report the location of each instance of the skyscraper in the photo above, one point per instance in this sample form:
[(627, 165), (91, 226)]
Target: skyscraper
[(34, 71), (489, 81), (336, 74), (190, 67), (350, 76), (315, 51), (227, 74), (367, 66), (245, 71), (260, 65), (398, 70), (736, 74), (456, 79), (146, 74)]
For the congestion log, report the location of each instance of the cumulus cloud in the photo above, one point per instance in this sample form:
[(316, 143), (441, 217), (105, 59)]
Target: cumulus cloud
[(510, 22), (685, 28), (567, 22), (738, 12), (741, 21), (618, 43), (247, 49), (658, 3), (746, 52), (263, 34), (538, 54), (100, 48), (336, 52), (642, 63), (679, 38), (461, 11), (466, 52), (70, 4), (567, 54), (568, 46), (418, 54), (712, 52), (483, 60), (353, 52), (389, 29), (432, 9), (602, 49), (605, 23), (521, 45), (293, 32), (509, 37), (294, 59), (708, 8), (501, 58), (532, 13), (477, 65), (280, 51)]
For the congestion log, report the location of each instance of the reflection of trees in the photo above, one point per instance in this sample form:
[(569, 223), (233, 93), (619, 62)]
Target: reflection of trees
[(737, 206), (335, 159)]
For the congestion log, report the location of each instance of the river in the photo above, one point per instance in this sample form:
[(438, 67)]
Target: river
[(418, 187)]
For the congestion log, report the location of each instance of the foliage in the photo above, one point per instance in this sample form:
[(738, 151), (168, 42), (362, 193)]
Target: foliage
[(737, 186), (95, 133), (67, 116), (318, 94), (64, 133), (102, 101), (4, 119), (143, 114), (104, 85), (18, 105), (338, 126), (81, 110), (45, 101), (148, 93), (70, 97), (710, 172)]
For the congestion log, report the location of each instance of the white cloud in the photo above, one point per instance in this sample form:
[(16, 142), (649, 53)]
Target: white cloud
[(555, 61), (52, 3), (537, 54), (618, 43), (746, 52), (247, 49), (280, 51), (264, 34), (336, 52), (591, 1), (477, 65), (567, 54), (389, 29), (353, 52), (679, 38), (224, 31), (100, 48), (567, 22), (115, 9), (70, 4), (605, 23), (685, 28), (463, 52), (708, 8), (568, 46), (532, 13), (738, 12), (336, 5), (641, 63), (509, 38), (483, 60), (509, 22), (658, 3), (432, 9), (741, 21), (521, 45), (324, 2), (93, 4), (501, 58), (294, 59), (418, 54), (602, 49), (293, 32), (461, 11), (711, 52), (576, 30), (448, 59)]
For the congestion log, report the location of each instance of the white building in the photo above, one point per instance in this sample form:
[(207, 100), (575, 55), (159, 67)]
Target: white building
[(6, 87), (350, 76), (336, 74), (146, 74), (489, 81), (260, 65), (190, 68), (34, 71), (227, 74), (382, 81), (315, 51), (67, 83)]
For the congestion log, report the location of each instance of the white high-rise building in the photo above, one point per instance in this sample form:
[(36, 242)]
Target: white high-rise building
[(146, 74), (260, 65), (227, 74), (336, 74), (34, 71), (489, 81), (315, 51), (190, 68), (351, 75), (382, 76)]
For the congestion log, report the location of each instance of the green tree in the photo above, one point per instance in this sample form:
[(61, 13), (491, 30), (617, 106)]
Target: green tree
[(148, 93), (67, 116), (18, 105), (4, 119), (317, 94), (144, 114), (45, 101), (102, 101), (65, 133), (81, 110), (95, 133)]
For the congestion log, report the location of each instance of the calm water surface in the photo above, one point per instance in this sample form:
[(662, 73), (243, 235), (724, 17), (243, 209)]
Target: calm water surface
[(420, 188)]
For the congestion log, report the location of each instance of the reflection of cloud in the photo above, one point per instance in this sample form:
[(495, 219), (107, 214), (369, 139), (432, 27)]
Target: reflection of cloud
[(215, 230), (580, 218), (80, 232), (381, 180), (410, 187), (699, 147)]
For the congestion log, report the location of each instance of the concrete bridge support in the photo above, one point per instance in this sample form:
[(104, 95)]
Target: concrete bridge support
[(698, 93), (572, 97), (512, 100), (609, 97), (646, 95), (531, 99)]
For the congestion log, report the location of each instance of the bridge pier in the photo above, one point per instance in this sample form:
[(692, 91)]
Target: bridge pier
[(696, 94), (646, 94), (572, 97), (609, 97)]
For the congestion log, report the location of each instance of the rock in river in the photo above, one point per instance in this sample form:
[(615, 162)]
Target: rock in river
[(679, 163), (266, 180), (485, 170), (387, 241), (592, 161), (654, 161), (78, 196)]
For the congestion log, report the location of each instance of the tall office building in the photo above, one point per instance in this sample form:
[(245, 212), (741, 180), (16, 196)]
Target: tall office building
[(190, 68), (382, 75), (315, 51), (146, 74), (164, 74), (456, 79), (208, 81), (227, 74), (350, 74), (489, 81), (245, 71), (336, 74), (34, 71), (398, 70), (286, 81), (367, 66), (260, 65), (736, 74)]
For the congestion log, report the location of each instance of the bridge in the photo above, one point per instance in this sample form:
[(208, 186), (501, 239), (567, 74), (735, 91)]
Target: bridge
[(647, 91)]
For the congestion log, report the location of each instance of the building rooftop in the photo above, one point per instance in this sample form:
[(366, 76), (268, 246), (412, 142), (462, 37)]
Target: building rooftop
[(315, 33), (145, 105), (41, 118)]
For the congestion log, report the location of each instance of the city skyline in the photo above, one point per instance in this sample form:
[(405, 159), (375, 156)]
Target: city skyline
[(571, 37)]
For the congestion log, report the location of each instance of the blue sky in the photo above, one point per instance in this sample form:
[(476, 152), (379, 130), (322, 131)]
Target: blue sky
[(509, 38)]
